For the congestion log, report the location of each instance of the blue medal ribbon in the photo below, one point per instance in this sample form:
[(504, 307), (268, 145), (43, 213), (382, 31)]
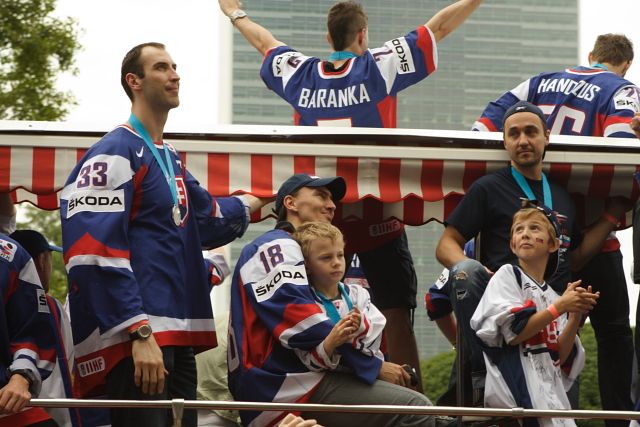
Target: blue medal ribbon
[(167, 169), (526, 188), (332, 311), (599, 65), (341, 54)]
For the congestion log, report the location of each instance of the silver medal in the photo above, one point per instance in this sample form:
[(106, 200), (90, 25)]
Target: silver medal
[(175, 213)]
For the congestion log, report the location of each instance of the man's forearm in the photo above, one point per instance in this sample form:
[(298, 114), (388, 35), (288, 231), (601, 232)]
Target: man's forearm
[(451, 17), (258, 36)]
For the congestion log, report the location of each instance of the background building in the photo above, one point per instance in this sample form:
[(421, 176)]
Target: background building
[(503, 43)]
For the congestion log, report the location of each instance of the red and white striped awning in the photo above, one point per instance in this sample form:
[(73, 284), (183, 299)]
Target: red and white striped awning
[(419, 175)]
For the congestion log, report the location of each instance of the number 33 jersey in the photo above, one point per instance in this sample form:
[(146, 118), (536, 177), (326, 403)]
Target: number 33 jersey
[(362, 92), (578, 101)]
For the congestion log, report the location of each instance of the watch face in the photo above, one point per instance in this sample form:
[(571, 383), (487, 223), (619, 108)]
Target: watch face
[(144, 331)]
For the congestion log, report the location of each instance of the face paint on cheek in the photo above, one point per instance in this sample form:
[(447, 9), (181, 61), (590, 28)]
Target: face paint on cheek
[(539, 240)]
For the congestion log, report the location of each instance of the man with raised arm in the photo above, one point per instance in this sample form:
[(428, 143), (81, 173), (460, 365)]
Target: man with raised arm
[(358, 86)]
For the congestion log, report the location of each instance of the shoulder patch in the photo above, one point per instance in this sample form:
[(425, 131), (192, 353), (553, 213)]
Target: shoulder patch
[(443, 279), (283, 273), (401, 50), (95, 201), (7, 250), (627, 98), (288, 58)]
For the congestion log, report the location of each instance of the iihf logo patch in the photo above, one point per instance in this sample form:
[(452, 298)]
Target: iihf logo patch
[(7, 250)]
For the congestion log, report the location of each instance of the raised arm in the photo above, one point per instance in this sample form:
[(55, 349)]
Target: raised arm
[(258, 36), (450, 249), (451, 17)]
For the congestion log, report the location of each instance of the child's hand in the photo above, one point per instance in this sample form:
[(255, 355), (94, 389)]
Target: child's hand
[(356, 318), (340, 334), (576, 299)]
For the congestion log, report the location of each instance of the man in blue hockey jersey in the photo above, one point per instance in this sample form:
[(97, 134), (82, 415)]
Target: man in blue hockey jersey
[(592, 101), (358, 86), (275, 321), (133, 222)]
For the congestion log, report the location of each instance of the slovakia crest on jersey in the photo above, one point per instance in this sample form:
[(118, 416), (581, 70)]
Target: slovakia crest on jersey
[(183, 199), (7, 250)]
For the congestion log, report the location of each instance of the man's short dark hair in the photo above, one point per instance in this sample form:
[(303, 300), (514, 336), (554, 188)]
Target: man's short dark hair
[(344, 21), (131, 64), (614, 49)]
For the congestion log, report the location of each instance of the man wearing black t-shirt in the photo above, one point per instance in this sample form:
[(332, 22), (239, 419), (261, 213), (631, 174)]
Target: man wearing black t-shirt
[(487, 210)]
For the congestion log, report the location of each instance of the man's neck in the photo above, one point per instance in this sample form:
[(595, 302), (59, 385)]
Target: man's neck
[(530, 172), (152, 121)]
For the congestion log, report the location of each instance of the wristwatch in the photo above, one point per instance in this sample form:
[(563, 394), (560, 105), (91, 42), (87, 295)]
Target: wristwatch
[(142, 332), (237, 14)]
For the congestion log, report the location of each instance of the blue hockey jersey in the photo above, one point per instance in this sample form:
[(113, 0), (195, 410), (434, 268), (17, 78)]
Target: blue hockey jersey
[(127, 259), (26, 337), (360, 93), (276, 330), (578, 101)]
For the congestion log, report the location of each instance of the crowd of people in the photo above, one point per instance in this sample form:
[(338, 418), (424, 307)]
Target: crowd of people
[(298, 329)]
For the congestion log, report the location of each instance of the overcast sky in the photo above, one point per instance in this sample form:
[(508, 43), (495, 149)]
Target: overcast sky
[(192, 30)]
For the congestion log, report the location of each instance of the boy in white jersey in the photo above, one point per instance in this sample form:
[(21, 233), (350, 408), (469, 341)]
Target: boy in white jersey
[(528, 332)]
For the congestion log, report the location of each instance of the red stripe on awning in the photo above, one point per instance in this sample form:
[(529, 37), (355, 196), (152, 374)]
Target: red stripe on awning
[(390, 185), (5, 169), (261, 175), (472, 171), (347, 167), (600, 182), (560, 173), (431, 180), (304, 164), (218, 174), (43, 171)]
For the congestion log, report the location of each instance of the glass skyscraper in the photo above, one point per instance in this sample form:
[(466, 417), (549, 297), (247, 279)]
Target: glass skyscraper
[(501, 44)]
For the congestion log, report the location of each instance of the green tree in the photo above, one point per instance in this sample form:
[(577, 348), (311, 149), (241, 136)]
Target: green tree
[(48, 223), (35, 47)]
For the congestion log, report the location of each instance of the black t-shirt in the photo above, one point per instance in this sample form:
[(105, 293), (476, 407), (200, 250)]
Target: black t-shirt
[(488, 208)]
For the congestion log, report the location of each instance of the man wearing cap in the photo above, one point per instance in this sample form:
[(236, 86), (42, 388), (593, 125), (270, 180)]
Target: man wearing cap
[(274, 317), (59, 384), (592, 101), (487, 210)]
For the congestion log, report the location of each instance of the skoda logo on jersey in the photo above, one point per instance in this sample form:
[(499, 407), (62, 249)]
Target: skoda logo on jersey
[(183, 199), (95, 201), (403, 53), (282, 274)]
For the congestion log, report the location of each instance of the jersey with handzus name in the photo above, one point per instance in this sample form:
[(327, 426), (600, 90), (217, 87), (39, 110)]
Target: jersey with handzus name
[(578, 101)]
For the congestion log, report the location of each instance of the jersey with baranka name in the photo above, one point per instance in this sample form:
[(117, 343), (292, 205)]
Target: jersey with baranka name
[(275, 351), (127, 259), (578, 101), (360, 93)]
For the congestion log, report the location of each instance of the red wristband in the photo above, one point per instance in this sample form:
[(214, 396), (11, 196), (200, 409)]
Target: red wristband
[(554, 311), (610, 219)]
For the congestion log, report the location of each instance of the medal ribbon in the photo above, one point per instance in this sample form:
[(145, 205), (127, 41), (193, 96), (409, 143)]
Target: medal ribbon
[(341, 54), (167, 169), (526, 188), (331, 309)]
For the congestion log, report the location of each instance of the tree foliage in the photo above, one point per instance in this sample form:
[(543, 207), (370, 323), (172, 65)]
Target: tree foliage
[(48, 223), (35, 47)]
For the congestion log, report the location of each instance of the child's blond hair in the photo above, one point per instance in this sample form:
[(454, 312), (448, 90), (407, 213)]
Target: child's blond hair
[(310, 231), (527, 213)]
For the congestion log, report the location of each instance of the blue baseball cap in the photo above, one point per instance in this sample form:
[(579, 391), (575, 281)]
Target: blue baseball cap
[(524, 107), (33, 242), (335, 184)]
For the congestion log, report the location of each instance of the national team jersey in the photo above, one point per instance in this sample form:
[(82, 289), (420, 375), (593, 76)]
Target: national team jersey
[(26, 337), (360, 93), (527, 375), (127, 259), (276, 330), (578, 101)]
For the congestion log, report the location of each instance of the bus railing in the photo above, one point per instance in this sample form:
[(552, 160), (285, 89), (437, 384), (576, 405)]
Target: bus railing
[(179, 405)]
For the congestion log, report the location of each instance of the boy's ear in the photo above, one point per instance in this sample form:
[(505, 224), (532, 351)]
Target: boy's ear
[(554, 245), (512, 245)]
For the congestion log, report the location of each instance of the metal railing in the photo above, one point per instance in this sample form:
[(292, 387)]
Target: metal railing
[(178, 406)]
